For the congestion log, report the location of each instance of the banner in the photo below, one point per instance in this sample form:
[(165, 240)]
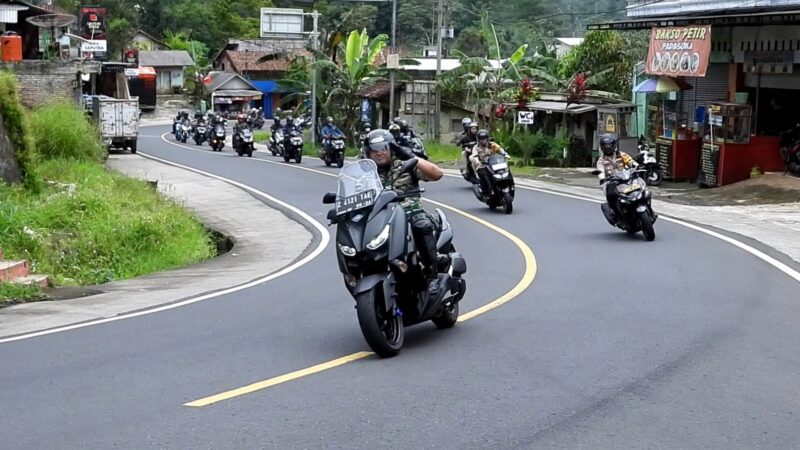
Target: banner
[(679, 51), (93, 22)]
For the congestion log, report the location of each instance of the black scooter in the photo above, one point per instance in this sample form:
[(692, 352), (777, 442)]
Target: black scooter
[(646, 159), (333, 151), (378, 257), (501, 182), (634, 204)]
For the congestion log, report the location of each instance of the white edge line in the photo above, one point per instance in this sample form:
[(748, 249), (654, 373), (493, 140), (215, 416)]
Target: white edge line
[(736, 243), (323, 244)]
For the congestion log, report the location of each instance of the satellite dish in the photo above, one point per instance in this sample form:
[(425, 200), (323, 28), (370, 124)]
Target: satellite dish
[(52, 20)]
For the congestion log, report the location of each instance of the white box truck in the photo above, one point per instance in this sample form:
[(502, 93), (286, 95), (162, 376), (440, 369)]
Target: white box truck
[(118, 121)]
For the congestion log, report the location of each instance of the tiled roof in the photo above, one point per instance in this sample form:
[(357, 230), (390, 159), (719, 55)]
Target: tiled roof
[(248, 61), (378, 90)]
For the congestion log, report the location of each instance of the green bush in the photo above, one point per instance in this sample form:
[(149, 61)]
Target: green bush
[(92, 226), (61, 130), (18, 129)]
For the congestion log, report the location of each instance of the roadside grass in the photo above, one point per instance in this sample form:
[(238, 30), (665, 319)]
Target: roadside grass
[(14, 293), (91, 226), (86, 225), (442, 153), (261, 136)]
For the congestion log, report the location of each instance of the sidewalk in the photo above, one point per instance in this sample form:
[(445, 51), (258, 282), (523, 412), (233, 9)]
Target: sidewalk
[(222, 207)]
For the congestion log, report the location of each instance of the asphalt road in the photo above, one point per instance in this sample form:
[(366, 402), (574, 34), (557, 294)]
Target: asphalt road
[(685, 342)]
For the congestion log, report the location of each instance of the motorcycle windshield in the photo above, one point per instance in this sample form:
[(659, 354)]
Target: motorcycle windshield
[(358, 187)]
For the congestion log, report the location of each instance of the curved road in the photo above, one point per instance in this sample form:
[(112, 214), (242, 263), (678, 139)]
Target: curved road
[(685, 342)]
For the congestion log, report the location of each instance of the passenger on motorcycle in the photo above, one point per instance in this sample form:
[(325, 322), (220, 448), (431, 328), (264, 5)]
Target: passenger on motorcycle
[(470, 136), (610, 162), (389, 157), (480, 154)]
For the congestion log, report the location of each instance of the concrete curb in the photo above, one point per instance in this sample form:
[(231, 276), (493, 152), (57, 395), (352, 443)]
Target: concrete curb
[(223, 207)]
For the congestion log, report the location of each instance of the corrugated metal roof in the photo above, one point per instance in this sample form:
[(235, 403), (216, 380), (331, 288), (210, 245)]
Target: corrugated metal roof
[(165, 58), (560, 107), (8, 13), (654, 8)]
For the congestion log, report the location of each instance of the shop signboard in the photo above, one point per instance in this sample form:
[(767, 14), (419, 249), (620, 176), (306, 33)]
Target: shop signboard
[(93, 22), (679, 51)]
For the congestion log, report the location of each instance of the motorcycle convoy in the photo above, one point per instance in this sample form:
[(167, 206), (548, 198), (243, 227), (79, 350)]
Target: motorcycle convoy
[(378, 253)]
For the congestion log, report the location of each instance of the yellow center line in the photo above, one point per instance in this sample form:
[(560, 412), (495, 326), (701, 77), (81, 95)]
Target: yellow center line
[(278, 380), (524, 283)]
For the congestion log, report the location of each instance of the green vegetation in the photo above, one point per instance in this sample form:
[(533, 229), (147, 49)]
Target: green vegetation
[(83, 224), (16, 125), (15, 293), (62, 131)]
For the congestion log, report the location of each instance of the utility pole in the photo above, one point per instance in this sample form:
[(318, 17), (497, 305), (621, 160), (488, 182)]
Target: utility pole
[(314, 45), (437, 132), (394, 50)]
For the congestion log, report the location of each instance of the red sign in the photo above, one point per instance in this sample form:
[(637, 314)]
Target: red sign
[(93, 22), (130, 55), (679, 51)]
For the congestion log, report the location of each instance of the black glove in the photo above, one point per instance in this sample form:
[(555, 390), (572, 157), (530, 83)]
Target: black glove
[(419, 153), (402, 153), (602, 182)]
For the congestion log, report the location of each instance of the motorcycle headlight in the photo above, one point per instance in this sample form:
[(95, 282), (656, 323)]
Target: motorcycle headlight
[(380, 239), (347, 251)]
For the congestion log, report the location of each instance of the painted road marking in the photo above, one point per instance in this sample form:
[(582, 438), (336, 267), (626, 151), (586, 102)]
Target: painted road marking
[(278, 380), (321, 246), (524, 283)]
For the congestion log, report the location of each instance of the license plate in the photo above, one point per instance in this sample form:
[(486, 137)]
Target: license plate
[(354, 202), (630, 188)]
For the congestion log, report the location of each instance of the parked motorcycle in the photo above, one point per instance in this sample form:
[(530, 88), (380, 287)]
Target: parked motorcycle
[(647, 160), (217, 139), (501, 182), (333, 150), (790, 150), (200, 133), (243, 142), (378, 257), (293, 146), (634, 204)]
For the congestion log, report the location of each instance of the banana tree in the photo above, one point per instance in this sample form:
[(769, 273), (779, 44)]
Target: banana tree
[(486, 81)]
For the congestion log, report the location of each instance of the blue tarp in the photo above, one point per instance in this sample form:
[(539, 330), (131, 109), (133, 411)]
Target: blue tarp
[(266, 87)]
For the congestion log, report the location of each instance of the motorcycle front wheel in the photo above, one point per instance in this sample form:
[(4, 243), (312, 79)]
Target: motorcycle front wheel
[(508, 203), (383, 331), (654, 178), (340, 160), (647, 226)]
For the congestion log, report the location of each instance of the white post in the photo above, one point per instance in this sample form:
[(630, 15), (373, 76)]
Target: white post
[(391, 71), (437, 131), (315, 15)]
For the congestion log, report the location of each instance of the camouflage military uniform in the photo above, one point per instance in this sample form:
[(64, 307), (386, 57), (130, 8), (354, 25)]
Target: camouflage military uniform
[(424, 226), (392, 178)]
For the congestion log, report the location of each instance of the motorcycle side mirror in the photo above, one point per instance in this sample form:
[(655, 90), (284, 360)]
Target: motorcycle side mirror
[(331, 215), (410, 165), (595, 172), (329, 198)]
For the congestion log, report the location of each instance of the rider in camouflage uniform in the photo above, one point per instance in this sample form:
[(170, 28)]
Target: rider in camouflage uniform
[(389, 157)]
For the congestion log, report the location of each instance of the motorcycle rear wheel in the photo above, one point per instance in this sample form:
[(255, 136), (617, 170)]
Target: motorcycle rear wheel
[(383, 331)]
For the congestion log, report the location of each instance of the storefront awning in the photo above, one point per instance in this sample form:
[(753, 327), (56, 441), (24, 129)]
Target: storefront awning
[(738, 19), (560, 107)]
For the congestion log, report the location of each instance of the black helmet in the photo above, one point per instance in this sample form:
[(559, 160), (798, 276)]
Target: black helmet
[(397, 120), (483, 136), (465, 122), (394, 129), (379, 140), (608, 144), (403, 124)]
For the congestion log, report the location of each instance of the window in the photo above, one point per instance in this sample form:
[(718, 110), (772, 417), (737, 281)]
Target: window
[(455, 126), (418, 94)]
